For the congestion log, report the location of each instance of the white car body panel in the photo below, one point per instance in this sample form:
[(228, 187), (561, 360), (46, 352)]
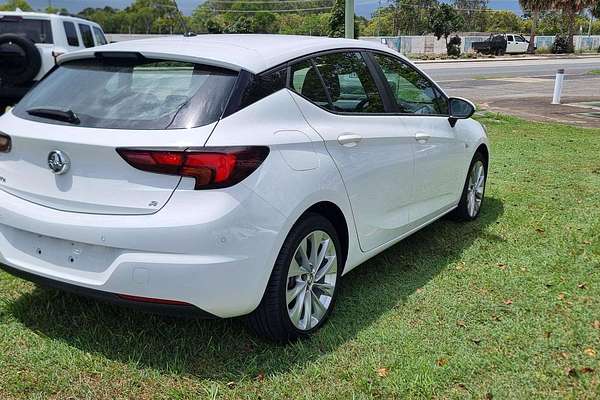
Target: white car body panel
[(215, 249)]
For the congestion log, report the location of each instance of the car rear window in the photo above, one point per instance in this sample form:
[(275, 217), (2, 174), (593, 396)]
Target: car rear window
[(133, 94), (37, 30)]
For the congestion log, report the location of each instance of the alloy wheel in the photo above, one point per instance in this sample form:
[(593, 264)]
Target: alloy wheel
[(476, 188), (311, 280)]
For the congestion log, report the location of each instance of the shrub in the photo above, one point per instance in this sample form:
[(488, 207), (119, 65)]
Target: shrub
[(453, 47), (560, 45)]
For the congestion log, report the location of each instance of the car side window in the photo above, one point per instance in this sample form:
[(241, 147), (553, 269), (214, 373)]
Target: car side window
[(413, 92), (509, 38), (519, 38), (71, 33), (305, 80), (86, 35), (100, 38), (349, 83)]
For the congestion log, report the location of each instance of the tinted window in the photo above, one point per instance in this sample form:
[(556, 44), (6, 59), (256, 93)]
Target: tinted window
[(305, 80), (86, 35), (349, 83), (509, 38), (37, 30), (147, 94), (414, 94), (263, 85), (71, 33), (519, 38), (99, 35)]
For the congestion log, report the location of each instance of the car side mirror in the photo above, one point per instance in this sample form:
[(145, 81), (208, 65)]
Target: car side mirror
[(459, 108)]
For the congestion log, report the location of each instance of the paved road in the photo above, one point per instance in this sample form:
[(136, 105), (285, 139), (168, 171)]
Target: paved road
[(525, 68), (525, 87)]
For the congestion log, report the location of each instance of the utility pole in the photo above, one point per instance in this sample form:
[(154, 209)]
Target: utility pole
[(349, 20)]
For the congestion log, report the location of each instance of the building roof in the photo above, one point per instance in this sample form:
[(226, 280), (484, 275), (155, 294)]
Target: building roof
[(252, 52)]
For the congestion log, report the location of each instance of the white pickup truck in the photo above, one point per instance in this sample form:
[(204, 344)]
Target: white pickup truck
[(510, 43), (31, 42)]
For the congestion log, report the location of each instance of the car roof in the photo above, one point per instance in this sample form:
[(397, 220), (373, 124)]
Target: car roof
[(252, 52), (46, 16)]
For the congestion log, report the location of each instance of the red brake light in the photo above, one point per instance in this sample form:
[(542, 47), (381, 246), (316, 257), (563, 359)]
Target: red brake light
[(5, 143), (211, 167)]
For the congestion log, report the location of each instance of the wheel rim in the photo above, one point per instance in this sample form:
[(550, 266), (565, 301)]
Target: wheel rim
[(312, 276), (475, 189)]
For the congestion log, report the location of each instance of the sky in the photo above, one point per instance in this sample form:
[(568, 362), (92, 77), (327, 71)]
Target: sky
[(362, 7)]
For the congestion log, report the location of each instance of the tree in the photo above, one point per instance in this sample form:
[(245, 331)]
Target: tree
[(535, 7), (474, 13), (571, 8), (337, 19), (12, 5), (596, 9), (443, 20), (505, 21)]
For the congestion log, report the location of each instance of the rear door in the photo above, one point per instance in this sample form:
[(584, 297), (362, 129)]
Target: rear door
[(439, 151), (119, 103), (371, 150)]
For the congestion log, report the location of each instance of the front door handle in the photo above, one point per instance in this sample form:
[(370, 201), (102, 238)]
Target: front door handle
[(349, 140), (422, 137)]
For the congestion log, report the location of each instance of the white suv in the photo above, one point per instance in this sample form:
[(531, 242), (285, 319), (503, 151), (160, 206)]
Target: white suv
[(31, 42)]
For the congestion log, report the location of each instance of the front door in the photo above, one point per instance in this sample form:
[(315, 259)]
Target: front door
[(439, 153), (372, 150)]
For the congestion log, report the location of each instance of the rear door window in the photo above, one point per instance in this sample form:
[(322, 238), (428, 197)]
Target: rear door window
[(99, 35), (71, 33), (305, 81), (36, 30), (133, 94), (86, 35)]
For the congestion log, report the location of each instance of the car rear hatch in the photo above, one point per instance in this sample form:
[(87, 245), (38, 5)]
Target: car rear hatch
[(65, 134)]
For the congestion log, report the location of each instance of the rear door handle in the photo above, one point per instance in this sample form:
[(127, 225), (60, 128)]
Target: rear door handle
[(349, 140), (422, 137)]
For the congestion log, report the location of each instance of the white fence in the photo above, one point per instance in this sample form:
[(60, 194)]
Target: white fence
[(430, 45)]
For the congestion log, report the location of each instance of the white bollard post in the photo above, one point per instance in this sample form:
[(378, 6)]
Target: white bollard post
[(558, 84)]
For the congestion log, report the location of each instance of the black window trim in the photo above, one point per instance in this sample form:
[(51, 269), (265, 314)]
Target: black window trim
[(389, 92), (389, 102)]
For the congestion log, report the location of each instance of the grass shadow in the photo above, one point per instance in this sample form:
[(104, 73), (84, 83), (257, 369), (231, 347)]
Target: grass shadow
[(223, 350)]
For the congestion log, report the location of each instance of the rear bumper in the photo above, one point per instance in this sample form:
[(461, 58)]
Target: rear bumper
[(214, 250), (113, 298)]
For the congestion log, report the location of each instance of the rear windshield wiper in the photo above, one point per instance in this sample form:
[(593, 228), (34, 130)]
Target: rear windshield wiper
[(55, 113)]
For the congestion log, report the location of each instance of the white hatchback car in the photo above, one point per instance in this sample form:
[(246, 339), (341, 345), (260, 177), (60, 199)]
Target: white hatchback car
[(229, 175)]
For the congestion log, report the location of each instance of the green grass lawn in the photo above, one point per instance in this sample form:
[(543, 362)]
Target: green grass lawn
[(504, 307), (594, 72)]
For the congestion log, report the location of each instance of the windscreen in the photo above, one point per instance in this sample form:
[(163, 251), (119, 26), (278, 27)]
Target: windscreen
[(36, 30), (132, 94)]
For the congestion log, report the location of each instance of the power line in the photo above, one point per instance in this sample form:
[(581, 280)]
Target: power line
[(271, 11)]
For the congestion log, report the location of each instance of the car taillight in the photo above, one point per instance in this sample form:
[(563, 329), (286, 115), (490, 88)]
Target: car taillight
[(211, 167), (5, 143)]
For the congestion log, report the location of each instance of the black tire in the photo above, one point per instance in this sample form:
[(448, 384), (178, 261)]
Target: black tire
[(20, 60), (462, 212), (271, 320)]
